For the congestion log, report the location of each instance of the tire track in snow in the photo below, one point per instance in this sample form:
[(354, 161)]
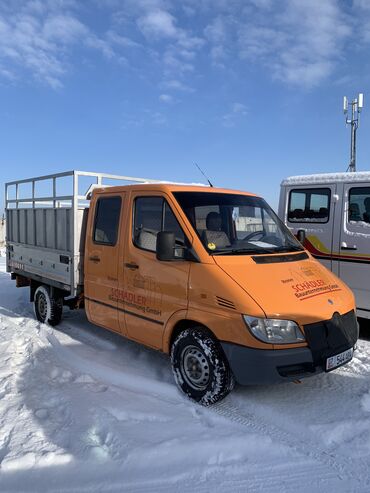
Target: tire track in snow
[(345, 468)]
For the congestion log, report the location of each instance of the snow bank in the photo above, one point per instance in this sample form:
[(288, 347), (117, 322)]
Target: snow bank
[(326, 178)]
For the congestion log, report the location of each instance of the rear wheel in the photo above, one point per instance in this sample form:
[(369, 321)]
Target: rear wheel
[(200, 367), (48, 308)]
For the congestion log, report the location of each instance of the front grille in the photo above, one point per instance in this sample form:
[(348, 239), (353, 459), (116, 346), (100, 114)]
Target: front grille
[(332, 336), (225, 303), (296, 370)]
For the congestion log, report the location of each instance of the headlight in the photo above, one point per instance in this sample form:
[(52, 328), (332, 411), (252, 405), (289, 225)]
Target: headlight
[(273, 330)]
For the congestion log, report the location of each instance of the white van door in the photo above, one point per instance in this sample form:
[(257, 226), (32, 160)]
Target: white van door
[(312, 208), (354, 244)]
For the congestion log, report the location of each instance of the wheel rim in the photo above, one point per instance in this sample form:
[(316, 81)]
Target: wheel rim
[(195, 368), (42, 305)]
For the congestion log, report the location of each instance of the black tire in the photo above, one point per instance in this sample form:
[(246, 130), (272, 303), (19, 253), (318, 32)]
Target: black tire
[(48, 309), (200, 367)]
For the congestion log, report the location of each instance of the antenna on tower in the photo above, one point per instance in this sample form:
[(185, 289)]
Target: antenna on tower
[(356, 104), (205, 176)]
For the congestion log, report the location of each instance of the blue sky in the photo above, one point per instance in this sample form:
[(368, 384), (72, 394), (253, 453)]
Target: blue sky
[(250, 90)]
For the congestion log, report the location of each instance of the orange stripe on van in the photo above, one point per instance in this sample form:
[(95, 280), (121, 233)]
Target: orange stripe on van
[(309, 245)]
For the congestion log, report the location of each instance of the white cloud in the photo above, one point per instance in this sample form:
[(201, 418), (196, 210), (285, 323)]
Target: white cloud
[(174, 62), (361, 4), (155, 117), (363, 24), (216, 33), (63, 28), (101, 45), (158, 23), (236, 112), (299, 42), (239, 108), (166, 98), (296, 42), (24, 44), (143, 117), (264, 4), (176, 85), (38, 38), (123, 41)]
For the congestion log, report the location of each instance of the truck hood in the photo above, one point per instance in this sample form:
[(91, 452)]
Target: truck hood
[(299, 290)]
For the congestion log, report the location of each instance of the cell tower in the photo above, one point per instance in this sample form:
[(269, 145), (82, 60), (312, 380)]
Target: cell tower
[(357, 104)]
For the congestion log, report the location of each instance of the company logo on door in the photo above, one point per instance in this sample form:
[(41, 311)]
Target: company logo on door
[(132, 300)]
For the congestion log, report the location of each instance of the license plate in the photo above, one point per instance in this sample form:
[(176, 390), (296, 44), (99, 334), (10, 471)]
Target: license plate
[(339, 359)]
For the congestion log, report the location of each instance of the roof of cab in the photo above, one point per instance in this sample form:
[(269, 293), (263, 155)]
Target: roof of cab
[(167, 188), (327, 178)]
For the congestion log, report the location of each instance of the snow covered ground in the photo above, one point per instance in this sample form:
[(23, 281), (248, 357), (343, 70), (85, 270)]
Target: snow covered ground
[(83, 410)]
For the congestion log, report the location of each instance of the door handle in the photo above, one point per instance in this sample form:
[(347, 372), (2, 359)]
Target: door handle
[(344, 246), (94, 258), (131, 265)]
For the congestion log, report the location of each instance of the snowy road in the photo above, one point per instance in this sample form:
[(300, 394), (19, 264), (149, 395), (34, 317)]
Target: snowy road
[(83, 410)]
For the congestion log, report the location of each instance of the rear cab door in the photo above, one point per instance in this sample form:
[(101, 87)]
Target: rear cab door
[(312, 208), (102, 253), (354, 243)]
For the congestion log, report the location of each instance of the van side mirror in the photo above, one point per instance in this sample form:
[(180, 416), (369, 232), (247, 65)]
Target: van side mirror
[(301, 236), (165, 246)]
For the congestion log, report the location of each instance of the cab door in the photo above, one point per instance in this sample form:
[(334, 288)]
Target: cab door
[(354, 243), (151, 290), (312, 208), (101, 260)]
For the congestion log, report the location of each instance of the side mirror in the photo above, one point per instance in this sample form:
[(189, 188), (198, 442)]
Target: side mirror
[(301, 236), (165, 246)]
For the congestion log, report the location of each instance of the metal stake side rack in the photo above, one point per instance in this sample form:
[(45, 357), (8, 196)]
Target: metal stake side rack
[(45, 234)]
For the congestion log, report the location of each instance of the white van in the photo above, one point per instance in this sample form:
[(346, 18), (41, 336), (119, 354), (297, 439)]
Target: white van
[(332, 213)]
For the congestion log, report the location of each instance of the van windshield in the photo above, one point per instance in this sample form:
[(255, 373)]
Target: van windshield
[(232, 224)]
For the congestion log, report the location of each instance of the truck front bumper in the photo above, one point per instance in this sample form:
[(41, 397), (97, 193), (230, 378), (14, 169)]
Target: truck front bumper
[(264, 366)]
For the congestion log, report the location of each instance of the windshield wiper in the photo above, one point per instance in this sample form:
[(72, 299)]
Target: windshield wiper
[(249, 251), (236, 251), (290, 248)]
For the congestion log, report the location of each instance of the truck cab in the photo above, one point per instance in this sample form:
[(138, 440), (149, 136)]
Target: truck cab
[(162, 261), (333, 211)]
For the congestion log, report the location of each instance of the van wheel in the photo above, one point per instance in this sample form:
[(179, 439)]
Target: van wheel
[(200, 367), (48, 309)]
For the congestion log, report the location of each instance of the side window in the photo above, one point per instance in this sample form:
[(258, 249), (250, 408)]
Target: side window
[(359, 205), (148, 219), (309, 205), (107, 220), (152, 215), (171, 224)]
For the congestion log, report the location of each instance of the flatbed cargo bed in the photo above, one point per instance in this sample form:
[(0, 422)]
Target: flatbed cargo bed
[(45, 232)]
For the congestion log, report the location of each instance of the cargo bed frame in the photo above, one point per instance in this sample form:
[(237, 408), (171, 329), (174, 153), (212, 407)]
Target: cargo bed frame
[(45, 235)]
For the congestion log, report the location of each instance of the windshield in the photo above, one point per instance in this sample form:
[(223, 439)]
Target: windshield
[(232, 224)]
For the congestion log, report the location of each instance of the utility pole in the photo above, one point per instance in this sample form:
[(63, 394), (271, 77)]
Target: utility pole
[(356, 106)]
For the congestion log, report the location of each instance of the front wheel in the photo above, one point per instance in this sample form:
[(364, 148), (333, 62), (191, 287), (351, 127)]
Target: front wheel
[(48, 308), (200, 367)]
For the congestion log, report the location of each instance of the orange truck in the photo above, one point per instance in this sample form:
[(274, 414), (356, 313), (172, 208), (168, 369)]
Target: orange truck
[(210, 276)]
